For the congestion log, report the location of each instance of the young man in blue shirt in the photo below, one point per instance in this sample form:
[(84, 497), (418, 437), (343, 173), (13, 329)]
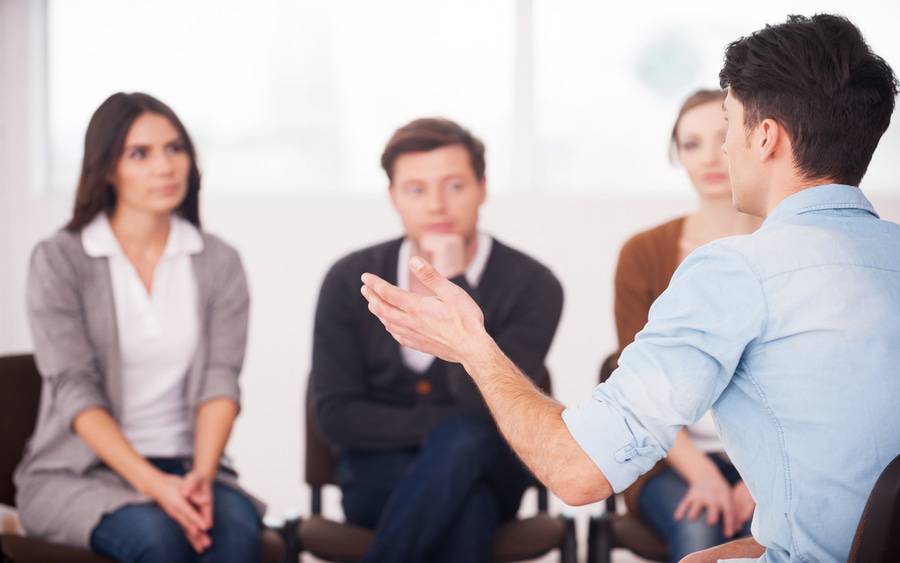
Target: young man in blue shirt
[(790, 334)]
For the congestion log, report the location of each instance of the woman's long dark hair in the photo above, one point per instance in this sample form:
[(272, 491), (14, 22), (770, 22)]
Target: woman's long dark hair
[(103, 145)]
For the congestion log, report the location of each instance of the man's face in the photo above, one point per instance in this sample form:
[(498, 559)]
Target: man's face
[(744, 164), (437, 192)]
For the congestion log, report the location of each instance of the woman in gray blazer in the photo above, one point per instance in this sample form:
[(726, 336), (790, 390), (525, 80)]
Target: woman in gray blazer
[(139, 320)]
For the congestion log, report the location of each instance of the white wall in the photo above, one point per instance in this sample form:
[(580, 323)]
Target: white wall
[(13, 125)]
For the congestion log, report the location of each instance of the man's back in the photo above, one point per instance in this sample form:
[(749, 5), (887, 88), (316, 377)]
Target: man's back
[(824, 370), (791, 336)]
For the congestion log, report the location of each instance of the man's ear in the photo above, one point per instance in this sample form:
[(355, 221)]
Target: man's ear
[(392, 192), (771, 138), (482, 185)]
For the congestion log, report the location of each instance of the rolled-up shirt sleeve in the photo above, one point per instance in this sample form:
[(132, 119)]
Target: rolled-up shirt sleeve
[(677, 366)]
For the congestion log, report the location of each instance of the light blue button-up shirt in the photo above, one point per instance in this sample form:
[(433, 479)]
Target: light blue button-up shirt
[(792, 336)]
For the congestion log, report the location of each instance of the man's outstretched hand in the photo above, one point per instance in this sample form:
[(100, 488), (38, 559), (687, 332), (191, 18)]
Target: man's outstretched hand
[(447, 324)]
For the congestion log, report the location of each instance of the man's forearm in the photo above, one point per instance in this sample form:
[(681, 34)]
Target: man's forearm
[(532, 424)]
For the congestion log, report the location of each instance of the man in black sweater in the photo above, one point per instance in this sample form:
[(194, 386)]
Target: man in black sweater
[(420, 460)]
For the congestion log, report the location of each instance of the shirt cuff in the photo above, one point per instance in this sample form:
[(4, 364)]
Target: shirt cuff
[(604, 435)]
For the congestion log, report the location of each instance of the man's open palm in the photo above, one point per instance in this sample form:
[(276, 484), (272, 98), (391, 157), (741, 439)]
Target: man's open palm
[(446, 325)]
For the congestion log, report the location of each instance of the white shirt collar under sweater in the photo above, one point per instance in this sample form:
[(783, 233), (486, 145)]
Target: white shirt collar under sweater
[(413, 359)]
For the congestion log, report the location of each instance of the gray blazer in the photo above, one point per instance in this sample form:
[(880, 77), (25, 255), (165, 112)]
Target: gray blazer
[(62, 488)]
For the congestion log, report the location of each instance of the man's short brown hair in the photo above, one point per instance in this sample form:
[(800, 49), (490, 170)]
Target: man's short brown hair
[(427, 134)]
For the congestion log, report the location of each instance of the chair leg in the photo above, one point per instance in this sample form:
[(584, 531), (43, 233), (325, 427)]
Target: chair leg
[(600, 539), (290, 533), (568, 551), (3, 556)]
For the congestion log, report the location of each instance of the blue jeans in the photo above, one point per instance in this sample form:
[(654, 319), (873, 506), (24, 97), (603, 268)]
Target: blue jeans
[(143, 533), (662, 495), (441, 502)]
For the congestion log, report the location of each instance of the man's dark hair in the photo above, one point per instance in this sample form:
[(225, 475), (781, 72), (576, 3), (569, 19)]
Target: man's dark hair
[(819, 79), (431, 133)]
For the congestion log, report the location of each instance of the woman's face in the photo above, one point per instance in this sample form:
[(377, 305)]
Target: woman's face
[(152, 171), (699, 136)]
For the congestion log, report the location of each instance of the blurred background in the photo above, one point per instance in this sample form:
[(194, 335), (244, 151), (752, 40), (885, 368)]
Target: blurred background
[(290, 103)]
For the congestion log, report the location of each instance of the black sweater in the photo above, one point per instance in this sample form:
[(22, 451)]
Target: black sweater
[(365, 396)]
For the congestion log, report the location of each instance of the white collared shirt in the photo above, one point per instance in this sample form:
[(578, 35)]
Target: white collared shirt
[(415, 360), (158, 335)]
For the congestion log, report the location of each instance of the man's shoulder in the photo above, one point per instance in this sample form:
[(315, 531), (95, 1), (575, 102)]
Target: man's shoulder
[(805, 243), (509, 262), (738, 248), (766, 253)]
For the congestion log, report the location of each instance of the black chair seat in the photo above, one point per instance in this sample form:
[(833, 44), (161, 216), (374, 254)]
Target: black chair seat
[(528, 538), (333, 541), (22, 550), (631, 533), (877, 538), (517, 540), (272, 548)]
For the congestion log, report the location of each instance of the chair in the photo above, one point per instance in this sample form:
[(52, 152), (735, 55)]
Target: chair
[(20, 391), (614, 530), (877, 538), (520, 539)]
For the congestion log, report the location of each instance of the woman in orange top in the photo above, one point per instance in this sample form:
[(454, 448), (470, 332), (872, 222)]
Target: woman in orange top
[(694, 499)]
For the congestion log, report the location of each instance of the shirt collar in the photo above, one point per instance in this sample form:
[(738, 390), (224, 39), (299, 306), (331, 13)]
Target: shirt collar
[(828, 196), (473, 272), (184, 238), (98, 239)]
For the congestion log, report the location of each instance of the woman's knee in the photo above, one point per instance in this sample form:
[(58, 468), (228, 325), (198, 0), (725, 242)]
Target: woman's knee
[(236, 524), (141, 533)]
